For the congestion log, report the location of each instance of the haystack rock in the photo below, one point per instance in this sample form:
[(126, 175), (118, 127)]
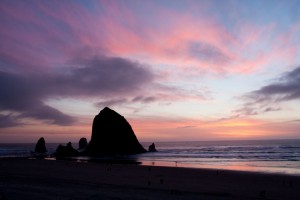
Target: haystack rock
[(66, 151), (40, 146), (112, 134), (152, 148), (83, 143)]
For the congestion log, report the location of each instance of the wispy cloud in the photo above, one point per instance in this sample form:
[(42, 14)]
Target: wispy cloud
[(53, 33), (95, 77), (113, 53), (127, 101), (269, 97), (8, 121)]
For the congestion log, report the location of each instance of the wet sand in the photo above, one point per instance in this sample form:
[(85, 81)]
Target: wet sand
[(21, 178)]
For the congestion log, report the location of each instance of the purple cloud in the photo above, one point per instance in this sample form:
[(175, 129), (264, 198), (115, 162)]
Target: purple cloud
[(112, 102), (267, 98), (286, 88), (7, 121), (207, 52), (121, 101), (144, 99), (24, 95), (98, 76), (101, 75)]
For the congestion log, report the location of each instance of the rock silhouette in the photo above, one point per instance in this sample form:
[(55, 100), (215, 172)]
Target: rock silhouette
[(40, 146), (112, 134), (83, 143), (152, 148), (66, 151)]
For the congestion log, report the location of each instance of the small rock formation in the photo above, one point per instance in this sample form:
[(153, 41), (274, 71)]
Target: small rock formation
[(66, 151), (111, 135), (40, 146), (83, 143), (152, 148)]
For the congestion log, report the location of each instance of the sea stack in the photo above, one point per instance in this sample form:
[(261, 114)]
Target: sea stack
[(40, 146), (82, 143), (111, 135), (66, 151), (152, 148)]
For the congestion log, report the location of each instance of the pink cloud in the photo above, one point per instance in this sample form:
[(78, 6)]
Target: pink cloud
[(171, 44), (180, 39)]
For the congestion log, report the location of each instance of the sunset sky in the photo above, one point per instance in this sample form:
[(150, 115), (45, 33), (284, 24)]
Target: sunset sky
[(176, 70)]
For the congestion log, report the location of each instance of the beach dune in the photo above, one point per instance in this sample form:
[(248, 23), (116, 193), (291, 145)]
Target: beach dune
[(22, 178)]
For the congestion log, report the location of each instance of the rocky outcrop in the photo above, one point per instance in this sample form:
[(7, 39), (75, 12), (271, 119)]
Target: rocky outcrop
[(82, 143), (40, 146), (112, 134), (152, 148), (66, 151)]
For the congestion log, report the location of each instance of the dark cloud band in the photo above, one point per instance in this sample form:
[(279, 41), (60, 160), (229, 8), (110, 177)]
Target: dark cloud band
[(267, 98), (93, 77)]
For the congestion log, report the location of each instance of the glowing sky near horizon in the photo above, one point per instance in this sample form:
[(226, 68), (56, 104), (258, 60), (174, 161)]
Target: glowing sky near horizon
[(177, 70)]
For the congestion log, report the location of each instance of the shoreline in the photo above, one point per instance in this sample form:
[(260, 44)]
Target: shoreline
[(273, 156), (162, 163), (23, 178)]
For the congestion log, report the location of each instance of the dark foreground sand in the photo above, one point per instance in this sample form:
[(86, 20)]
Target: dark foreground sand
[(43, 179)]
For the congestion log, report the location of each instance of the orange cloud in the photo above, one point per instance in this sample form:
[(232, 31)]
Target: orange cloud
[(248, 49), (165, 129), (191, 129)]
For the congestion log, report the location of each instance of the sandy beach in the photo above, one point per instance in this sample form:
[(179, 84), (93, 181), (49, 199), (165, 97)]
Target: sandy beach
[(21, 178)]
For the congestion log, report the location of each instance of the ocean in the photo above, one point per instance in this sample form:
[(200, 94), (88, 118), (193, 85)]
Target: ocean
[(268, 156)]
